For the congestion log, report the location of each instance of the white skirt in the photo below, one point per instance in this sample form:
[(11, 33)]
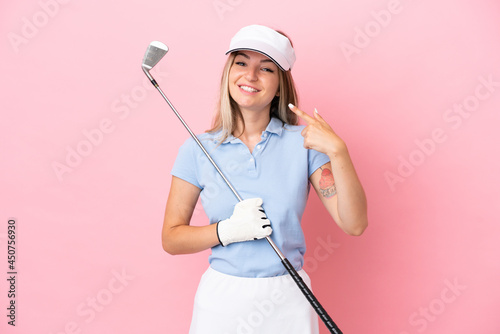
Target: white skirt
[(226, 304)]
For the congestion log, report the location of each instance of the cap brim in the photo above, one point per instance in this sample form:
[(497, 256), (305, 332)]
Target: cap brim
[(259, 51)]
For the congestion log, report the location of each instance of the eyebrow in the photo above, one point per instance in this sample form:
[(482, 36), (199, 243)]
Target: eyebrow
[(239, 53)]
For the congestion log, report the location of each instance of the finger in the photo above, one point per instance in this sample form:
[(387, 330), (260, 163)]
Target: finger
[(304, 132), (322, 120), (257, 201), (300, 113), (266, 223), (266, 230), (318, 117), (316, 114)]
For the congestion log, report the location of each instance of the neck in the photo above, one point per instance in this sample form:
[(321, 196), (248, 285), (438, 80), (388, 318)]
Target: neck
[(255, 124)]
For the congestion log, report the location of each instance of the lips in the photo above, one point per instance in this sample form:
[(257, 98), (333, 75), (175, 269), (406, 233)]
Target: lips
[(248, 89)]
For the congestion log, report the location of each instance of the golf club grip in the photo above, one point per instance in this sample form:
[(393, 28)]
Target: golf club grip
[(332, 327)]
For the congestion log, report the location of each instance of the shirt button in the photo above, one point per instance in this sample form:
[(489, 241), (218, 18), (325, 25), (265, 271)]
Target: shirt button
[(265, 134), (258, 147)]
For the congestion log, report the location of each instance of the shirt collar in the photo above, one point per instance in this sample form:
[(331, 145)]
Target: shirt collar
[(274, 126)]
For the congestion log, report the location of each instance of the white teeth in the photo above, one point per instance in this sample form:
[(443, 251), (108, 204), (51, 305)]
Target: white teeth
[(249, 89)]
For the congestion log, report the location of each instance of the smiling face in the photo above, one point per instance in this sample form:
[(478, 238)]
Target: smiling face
[(253, 81)]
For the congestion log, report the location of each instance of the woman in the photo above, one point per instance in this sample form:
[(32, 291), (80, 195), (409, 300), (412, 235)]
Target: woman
[(271, 161)]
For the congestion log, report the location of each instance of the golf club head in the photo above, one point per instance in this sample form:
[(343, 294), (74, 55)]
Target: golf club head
[(155, 52)]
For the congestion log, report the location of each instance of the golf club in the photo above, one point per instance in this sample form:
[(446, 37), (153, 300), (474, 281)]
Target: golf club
[(155, 52)]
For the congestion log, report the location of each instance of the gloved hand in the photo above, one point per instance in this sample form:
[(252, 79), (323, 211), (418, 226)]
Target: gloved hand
[(248, 222)]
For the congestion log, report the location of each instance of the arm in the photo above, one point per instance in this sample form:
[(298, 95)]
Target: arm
[(341, 191), (248, 222), (344, 199), (178, 237)]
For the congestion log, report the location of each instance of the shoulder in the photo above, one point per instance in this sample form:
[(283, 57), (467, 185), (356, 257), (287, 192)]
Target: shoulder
[(191, 148), (190, 153), (205, 137)]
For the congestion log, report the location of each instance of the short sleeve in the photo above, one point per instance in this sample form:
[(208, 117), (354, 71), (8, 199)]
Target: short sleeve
[(316, 160), (185, 163)]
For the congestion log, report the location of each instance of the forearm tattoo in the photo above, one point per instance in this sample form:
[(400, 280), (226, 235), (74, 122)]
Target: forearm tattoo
[(327, 183)]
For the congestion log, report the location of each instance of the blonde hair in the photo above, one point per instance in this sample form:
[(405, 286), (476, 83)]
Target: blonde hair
[(228, 113)]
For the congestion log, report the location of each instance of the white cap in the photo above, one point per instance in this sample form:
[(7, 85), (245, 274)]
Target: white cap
[(267, 41)]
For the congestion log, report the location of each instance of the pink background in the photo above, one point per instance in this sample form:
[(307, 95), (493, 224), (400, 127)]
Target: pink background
[(89, 250)]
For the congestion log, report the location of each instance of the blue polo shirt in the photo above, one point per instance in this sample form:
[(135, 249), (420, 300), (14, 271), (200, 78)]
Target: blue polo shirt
[(277, 171)]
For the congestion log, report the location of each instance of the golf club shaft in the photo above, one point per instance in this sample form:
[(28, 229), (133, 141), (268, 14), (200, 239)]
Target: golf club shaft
[(271, 242), (330, 324)]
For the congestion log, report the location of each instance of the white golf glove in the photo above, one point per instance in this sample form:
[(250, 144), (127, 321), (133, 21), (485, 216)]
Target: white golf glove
[(248, 222)]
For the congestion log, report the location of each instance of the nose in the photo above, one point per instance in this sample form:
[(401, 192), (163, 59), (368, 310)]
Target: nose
[(251, 73)]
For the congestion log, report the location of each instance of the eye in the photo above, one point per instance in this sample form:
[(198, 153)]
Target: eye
[(240, 63), (266, 69)]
